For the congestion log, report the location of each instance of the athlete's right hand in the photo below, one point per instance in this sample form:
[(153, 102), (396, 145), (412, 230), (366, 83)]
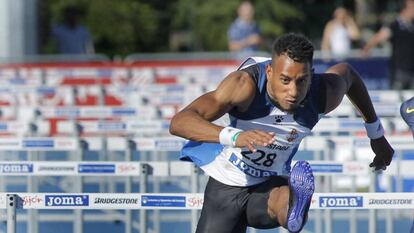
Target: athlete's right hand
[(383, 153), (252, 138)]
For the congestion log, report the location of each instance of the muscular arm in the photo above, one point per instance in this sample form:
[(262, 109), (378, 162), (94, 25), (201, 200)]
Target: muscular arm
[(194, 121), (342, 79)]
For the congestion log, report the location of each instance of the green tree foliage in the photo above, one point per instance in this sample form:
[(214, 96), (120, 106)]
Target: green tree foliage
[(127, 27), (273, 15), (132, 26), (316, 14), (210, 20), (118, 27)]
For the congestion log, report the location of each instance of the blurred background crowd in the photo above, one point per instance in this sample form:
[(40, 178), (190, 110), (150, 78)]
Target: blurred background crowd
[(133, 26), (339, 29)]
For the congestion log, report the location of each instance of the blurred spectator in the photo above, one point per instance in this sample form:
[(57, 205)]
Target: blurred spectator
[(401, 35), (338, 35), (244, 34), (70, 36)]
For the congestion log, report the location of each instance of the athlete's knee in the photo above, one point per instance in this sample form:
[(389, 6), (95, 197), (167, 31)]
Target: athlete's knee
[(278, 201), (257, 213)]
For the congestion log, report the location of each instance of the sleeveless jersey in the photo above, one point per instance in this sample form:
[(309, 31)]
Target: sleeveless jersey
[(241, 167)]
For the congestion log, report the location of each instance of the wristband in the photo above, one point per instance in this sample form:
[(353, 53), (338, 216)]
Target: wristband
[(374, 129), (228, 136)]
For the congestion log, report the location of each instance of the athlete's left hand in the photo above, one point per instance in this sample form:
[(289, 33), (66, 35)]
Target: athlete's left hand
[(383, 153)]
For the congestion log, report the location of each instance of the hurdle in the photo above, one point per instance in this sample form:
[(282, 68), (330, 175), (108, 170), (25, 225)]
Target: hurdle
[(327, 201), (181, 201), (176, 168)]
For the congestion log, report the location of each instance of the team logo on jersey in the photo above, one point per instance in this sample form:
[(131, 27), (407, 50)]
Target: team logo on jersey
[(293, 135), (248, 169), (278, 119)]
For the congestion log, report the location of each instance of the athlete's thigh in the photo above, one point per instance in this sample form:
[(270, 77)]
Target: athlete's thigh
[(223, 209), (257, 205)]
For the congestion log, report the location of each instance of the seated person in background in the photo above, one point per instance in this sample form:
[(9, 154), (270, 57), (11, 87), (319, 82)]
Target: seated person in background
[(339, 34)]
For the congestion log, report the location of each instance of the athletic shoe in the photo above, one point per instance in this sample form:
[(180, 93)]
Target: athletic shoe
[(302, 186)]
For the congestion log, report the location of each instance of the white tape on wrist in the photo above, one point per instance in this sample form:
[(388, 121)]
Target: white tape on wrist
[(228, 136), (374, 129)]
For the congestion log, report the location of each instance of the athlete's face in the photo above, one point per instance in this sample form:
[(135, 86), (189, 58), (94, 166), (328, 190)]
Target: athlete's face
[(288, 82)]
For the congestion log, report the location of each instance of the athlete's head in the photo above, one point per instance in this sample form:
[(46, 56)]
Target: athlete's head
[(289, 76)]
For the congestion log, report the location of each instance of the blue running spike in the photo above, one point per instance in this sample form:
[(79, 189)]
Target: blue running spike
[(302, 186)]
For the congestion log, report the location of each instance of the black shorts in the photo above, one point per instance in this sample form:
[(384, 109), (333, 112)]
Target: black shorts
[(230, 209)]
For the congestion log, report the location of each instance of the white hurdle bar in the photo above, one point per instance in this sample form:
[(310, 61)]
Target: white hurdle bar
[(169, 143), (181, 201), (327, 201), (174, 168), (189, 201)]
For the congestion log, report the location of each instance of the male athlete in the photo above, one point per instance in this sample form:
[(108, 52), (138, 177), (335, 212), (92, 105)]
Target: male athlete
[(407, 114), (273, 104)]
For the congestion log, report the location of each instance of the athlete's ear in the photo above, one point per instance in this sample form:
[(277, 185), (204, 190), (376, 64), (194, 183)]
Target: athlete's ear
[(269, 72)]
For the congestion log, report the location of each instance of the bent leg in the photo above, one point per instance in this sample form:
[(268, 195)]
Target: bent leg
[(278, 204), (283, 205), (223, 209), (267, 205)]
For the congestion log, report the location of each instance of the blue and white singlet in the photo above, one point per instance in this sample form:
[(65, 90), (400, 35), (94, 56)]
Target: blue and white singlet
[(239, 166)]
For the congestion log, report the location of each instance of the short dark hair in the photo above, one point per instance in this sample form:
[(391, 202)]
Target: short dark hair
[(295, 46)]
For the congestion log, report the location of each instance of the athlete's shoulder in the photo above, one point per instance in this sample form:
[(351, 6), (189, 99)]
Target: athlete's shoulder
[(238, 90), (317, 79), (317, 92), (239, 78), (256, 68), (254, 61), (238, 87)]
